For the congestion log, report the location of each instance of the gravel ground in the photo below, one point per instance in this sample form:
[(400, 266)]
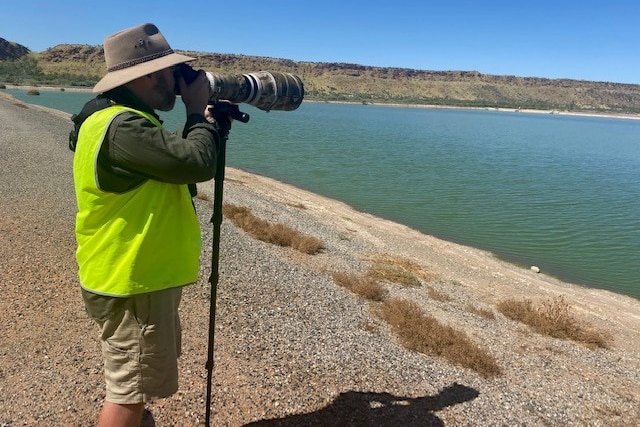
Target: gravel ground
[(292, 348)]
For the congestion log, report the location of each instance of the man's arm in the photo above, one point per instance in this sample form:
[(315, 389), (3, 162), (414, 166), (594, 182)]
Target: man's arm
[(135, 150)]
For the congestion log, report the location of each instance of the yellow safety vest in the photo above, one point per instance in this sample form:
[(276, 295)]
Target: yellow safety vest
[(145, 239)]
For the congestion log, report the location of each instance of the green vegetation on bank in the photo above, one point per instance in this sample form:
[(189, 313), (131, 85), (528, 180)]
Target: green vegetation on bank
[(27, 70), (83, 65)]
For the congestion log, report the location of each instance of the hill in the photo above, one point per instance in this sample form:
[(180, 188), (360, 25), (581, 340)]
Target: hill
[(82, 65), (10, 50)]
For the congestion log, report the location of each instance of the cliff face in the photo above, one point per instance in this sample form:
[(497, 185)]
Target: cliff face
[(367, 84)]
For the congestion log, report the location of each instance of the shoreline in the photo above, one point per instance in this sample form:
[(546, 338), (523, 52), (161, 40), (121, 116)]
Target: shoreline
[(503, 110)]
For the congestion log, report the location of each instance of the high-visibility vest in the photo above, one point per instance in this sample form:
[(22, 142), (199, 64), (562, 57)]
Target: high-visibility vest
[(145, 239)]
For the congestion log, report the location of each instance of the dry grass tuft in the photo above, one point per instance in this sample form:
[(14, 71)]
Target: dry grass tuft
[(553, 317), (278, 234), (363, 285), (437, 295), (487, 314), (203, 196), (394, 273), (235, 181), (298, 206), (399, 270), (424, 334)]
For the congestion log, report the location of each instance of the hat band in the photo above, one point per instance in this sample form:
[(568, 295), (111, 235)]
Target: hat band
[(137, 61)]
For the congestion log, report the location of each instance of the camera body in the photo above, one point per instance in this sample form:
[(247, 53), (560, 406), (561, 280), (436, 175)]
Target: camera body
[(263, 89)]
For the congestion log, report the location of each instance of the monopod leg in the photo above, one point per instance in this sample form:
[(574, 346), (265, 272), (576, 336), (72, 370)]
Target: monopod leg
[(216, 219)]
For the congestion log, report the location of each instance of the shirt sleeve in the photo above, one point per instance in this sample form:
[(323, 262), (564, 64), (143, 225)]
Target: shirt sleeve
[(136, 145)]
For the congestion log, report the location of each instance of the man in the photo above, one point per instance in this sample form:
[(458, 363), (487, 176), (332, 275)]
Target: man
[(137, 232)]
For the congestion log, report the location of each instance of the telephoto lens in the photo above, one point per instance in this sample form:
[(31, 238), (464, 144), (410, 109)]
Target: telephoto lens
[(263, 89)]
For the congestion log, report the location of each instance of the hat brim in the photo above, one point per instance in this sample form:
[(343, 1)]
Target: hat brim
[(120, 77)]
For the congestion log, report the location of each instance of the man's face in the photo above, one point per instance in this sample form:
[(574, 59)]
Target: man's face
[(164, 90)]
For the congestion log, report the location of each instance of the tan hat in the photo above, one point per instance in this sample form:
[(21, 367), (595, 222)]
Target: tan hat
[(136, 52)]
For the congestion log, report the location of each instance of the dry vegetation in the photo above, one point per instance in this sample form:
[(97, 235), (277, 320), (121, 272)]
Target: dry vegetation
[(399, 270), (416, 330), (265, 231), (437, 295), (425, 334), (482, 312), (420, 332), (363, 285), (553, 317)]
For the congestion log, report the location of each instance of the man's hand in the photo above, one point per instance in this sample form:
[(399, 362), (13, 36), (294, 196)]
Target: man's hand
[(196, 95), (221, 112)]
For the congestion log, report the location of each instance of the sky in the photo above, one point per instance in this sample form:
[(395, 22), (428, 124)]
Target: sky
[(574, 39)]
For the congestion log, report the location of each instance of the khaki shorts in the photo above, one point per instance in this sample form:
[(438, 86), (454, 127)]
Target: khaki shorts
[(140, 346)]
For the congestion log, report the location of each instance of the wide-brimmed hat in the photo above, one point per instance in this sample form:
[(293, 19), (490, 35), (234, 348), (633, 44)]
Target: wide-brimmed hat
[(136, 52)]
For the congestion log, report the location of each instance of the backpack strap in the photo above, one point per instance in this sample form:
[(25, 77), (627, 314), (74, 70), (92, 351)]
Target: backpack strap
[(96, 104)]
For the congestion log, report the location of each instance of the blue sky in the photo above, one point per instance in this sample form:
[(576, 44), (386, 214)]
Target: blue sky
[(578, 39)]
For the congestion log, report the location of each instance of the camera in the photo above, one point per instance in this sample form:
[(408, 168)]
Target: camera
[(263, 89)]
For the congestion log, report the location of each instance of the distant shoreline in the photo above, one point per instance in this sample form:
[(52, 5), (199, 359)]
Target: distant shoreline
[(50, 88), (382, 104), (504, 110)]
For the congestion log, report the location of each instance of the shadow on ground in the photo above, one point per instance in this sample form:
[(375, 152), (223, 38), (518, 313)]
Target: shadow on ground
[(378, 409)]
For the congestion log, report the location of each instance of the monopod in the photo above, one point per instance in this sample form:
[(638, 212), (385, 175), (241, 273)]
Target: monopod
[(221, 112), (266, 91)]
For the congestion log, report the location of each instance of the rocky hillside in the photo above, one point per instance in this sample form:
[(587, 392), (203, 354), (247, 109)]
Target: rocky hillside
[(367, 84), (10, 50)]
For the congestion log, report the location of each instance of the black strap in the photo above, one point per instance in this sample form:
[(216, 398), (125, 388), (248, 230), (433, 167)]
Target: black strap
[(96, 104)]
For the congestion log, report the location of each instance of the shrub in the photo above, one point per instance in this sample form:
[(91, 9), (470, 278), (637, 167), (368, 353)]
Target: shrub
[(363, 285), (394, 273), (487, 314), (553, 317), (437, 295), (399, 270), (203, 196), (422, 333), (277, 234)]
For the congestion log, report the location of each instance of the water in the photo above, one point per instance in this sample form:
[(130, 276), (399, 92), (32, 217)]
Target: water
[(560, 192)]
